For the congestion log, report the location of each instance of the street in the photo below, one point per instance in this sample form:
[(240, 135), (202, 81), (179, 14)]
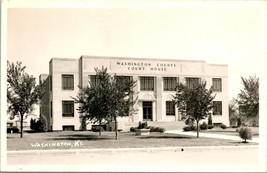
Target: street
[(238, 158)]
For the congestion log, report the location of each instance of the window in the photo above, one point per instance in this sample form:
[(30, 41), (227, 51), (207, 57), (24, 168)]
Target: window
[(94, 80), (50, 83), (190, 82), (67, 82), (68, 128), (170, 108), (121, 79), (51, 109), (68, 108), (147, 83), (217, 84), (217, 108), (169, 83)]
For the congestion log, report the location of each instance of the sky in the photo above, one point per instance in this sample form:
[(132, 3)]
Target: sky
[(217, 34)]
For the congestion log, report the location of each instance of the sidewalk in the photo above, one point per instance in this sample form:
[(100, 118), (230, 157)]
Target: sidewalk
[(118, 150), (209, 135)]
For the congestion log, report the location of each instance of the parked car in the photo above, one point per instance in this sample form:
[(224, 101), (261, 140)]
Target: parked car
[(11, 128)]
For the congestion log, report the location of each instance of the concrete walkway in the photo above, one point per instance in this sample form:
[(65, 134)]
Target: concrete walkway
[(210, 135)]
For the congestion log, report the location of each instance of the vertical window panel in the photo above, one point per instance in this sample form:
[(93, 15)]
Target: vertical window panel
[(170, 108), (68, 108), (94, 80), (67, 82), (169, 83), (190, 82), (217, 108), (147, 83), (217, 84)]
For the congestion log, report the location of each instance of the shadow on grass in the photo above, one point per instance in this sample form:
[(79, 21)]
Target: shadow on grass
[(82, 137), (166, 137), (243, 142)]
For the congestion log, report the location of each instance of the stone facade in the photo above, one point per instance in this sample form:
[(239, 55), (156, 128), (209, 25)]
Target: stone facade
[(150, 102)]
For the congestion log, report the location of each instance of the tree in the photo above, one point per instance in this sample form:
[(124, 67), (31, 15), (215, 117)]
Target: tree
[(43, 124), (110, 98), (248, 98), (194, 103), (22, 91), (233, 113), (94, 99)]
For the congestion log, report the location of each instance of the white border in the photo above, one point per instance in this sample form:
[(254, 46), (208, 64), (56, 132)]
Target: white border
[(136, 4)]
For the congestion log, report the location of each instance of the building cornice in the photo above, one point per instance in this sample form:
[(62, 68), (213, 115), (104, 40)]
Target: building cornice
[(134, 58)]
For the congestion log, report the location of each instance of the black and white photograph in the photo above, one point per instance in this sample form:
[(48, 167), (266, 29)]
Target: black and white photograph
[(133, 86)]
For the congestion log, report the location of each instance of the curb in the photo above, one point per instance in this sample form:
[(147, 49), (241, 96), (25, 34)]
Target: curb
[(114, 150)]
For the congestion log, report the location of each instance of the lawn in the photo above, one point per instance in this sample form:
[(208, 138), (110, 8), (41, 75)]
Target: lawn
[(230, 131), (89, 140)]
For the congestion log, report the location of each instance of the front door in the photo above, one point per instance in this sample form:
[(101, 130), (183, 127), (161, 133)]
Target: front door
[(147, 111)]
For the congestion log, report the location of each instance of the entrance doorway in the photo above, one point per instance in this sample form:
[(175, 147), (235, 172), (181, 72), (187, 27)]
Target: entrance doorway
[(147, 111)]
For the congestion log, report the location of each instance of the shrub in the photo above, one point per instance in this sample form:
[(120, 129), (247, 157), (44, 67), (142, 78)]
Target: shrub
[(43, 124), (162, 130), (33, 124), (39, 126), (193, 128), (156, 129), (203, 126), (186, 128), (223, 126), (142, 125), (245, 133), (152, 129), (210, 126), (189, 128), (132, 129)]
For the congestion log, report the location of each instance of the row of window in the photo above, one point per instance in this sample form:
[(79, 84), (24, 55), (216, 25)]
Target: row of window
[(68, 108), (170, 108), (146, 83)]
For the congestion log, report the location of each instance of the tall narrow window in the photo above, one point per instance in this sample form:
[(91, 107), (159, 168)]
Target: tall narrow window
[(190, 82), (217, 84), (51, 109), (217, 108), (169, 83), (68, 108), (67, 82), (147, 83), (94, 80), (50, 82), (170, 108)]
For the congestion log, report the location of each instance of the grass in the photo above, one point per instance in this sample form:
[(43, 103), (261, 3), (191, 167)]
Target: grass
[(230, 131), (90, 140)]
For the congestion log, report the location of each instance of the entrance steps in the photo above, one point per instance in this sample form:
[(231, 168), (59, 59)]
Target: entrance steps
[(177, 125)]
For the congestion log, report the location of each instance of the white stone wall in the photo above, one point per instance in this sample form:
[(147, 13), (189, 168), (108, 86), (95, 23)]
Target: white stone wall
[(59, 67), (136, 67)]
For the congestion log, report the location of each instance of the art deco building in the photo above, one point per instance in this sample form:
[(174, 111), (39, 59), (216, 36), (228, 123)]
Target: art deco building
[(156, 82)]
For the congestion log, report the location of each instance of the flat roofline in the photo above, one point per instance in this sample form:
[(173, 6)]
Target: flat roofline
[(64, 59), (217, 64), (134, 58)]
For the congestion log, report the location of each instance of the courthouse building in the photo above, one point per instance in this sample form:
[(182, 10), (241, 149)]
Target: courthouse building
[(156, 82)]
